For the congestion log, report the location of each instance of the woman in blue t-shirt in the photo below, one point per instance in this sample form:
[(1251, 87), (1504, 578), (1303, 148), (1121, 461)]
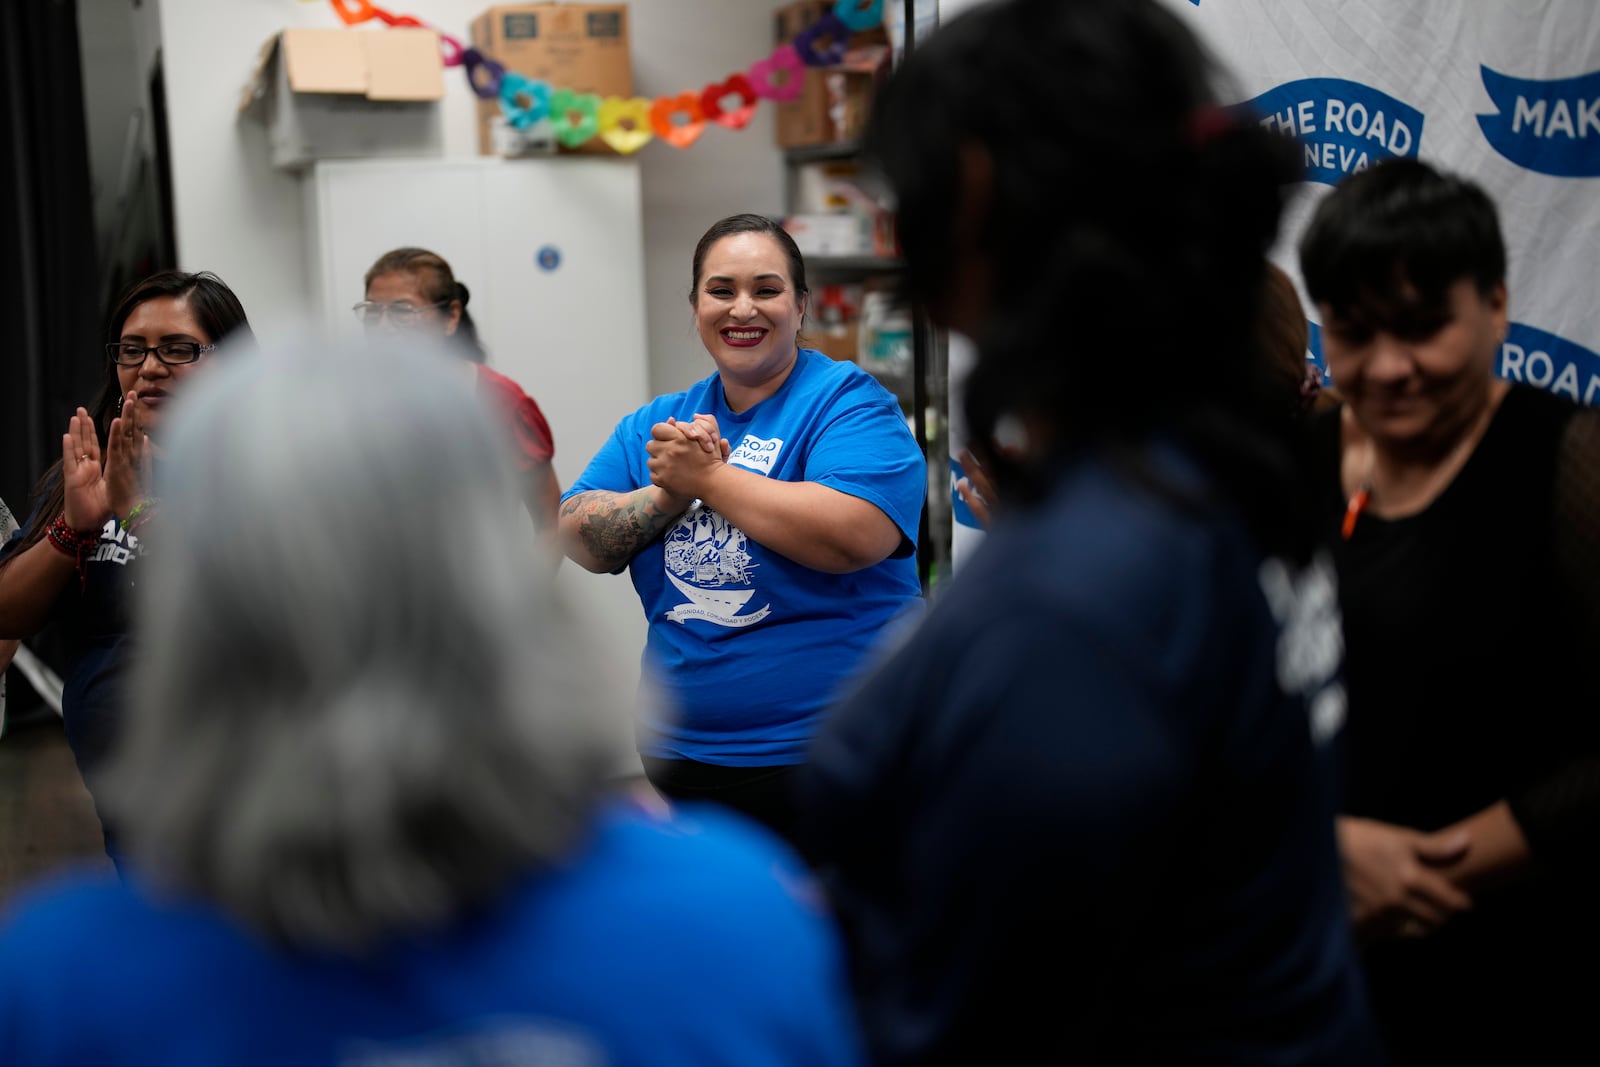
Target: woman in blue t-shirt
[(77, 555), (768, 518)]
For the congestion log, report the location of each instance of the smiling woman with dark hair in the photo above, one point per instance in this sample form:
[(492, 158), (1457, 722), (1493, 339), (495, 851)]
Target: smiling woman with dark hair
[(768, 516), (76, 556)]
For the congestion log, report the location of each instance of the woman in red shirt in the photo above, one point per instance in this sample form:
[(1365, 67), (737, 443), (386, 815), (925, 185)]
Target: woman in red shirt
[(414, 289)]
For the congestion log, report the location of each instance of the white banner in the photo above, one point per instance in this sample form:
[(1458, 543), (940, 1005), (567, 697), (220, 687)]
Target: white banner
[(1506, 94)]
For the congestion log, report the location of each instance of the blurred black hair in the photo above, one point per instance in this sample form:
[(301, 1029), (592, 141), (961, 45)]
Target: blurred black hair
[(1126, 233), (1398, 235)]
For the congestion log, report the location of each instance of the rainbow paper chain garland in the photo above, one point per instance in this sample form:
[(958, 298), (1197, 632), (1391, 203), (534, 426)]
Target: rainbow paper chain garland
[(628, 124)]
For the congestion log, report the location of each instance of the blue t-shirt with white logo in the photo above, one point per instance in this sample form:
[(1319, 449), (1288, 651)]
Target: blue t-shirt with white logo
[(695, 940), (750, 646)]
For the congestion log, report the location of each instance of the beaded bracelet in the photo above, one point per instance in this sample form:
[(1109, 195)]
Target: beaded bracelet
[(68, 540), (72, 543), (139, 514)]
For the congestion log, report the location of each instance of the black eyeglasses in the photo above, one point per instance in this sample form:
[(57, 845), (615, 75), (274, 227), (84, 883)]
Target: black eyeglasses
[(173, 353), (370, 312)]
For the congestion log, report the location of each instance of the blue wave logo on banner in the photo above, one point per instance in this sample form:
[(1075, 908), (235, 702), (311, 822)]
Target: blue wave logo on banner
[(1552, 363), (1314, 350), (1345, 126), (1552, 127), (961, 513)]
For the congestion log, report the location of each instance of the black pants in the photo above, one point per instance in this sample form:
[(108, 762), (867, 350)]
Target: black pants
[(762, 793)]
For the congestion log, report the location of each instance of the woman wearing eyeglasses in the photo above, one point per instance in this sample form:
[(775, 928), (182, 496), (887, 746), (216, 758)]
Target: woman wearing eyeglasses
[(413, 289), (76, 557)]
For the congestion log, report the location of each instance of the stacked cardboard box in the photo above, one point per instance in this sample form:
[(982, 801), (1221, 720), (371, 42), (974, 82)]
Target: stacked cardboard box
[(583, 47), (347, 94), (834, 103)]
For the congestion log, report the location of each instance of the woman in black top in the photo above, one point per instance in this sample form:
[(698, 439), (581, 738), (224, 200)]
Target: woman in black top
[(1464, 513), (76, 557)]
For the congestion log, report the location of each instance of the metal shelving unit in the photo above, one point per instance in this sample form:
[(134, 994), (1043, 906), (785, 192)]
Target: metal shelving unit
[(820, 153), (927, 411), (854, 264), (930, 402)]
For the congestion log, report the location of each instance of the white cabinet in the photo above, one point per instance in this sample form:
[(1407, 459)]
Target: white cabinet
[(551, 251)]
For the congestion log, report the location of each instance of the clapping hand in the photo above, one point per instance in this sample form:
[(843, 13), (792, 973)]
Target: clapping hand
[(704, 430), (94, 491), (86, 502), (128, 455), (684, 454)]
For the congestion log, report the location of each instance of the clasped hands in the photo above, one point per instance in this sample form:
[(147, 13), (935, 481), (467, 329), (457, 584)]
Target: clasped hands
[(1400, 880), (686, 456), (95, 491)]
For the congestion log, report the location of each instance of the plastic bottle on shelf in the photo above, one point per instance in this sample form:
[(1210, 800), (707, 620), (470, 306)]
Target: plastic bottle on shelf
[(886, 343), (836, 316)]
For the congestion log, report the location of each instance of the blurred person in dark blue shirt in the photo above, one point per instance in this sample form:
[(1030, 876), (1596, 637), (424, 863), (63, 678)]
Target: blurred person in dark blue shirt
[(1084, 813)]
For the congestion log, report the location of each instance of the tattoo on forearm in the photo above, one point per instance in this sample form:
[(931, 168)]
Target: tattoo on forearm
[(614, 526)]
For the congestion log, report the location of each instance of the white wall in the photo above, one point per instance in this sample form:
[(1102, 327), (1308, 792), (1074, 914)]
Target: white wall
[(677, 45), (238, 216), (244, 220)]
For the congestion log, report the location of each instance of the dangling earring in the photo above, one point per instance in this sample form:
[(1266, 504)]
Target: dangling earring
[(119, 403)]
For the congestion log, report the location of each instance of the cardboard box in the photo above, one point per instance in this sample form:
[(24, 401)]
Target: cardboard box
[(573, 46), (834, 185), (842, 344), (845, 234), (834, 320), (851, 86), (348, 94), (834, 102)]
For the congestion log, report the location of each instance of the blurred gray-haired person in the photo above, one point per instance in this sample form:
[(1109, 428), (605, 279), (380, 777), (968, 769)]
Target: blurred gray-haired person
[(370, 780)]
